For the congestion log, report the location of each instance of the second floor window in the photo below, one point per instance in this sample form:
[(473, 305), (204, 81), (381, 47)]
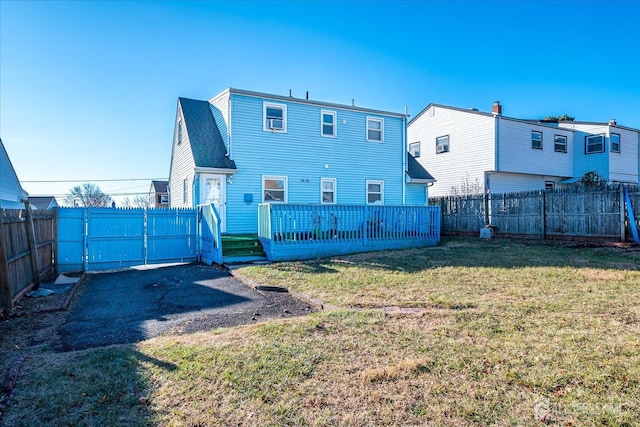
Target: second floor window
[(560, 144), (375, 129), (414, 149), (275, 117), (536, 140), (442, 144), (328, 125), (179, 132), (594, 144), (615, 143)]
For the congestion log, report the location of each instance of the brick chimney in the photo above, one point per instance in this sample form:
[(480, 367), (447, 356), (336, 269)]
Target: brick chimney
[(497, 108), (612, 122)]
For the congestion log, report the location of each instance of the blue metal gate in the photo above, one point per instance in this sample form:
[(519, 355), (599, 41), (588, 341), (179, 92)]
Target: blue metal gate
[(94, 239)]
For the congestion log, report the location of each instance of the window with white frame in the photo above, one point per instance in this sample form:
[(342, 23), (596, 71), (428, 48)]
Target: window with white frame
[(536, 140), (375, 129), (594, 144), (328, 123), (549, 185), (179, 131), (615, 143), (274, 189), (185, 185), (164, 199), (275, 117), (375, 192), (560, 143), (414, 149), (328, 191), (442, 144)]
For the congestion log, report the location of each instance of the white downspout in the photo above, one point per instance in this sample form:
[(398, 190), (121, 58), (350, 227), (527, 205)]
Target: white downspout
[(404, 155), (229, 129)]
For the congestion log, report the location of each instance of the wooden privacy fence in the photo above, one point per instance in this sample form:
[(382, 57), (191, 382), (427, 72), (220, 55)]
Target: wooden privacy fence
[(27, 245), (574, 212)]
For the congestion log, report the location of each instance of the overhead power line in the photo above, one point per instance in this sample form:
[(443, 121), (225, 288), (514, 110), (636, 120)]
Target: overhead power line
[(95, 180)]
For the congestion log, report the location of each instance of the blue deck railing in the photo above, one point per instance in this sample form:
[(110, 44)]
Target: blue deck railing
[(290, 232)]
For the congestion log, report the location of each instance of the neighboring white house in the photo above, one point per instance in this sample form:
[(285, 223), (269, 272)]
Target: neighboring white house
[(12, 195), (473, 152)]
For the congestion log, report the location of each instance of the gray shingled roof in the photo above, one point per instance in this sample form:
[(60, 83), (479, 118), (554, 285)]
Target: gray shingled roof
[(415, 169), (206, 142), (160, 186), (42, 202)]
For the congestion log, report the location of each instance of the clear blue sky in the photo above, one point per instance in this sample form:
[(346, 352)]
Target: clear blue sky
[(89, 89)]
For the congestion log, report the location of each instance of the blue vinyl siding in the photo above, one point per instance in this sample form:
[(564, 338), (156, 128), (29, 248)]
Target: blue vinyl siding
[(415, 195), (583, 162), (302, 153)]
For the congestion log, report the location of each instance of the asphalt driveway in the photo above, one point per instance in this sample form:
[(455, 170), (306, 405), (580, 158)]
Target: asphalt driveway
[(134, 305)]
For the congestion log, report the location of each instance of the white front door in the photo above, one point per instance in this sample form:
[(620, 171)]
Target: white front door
[(212, 192)]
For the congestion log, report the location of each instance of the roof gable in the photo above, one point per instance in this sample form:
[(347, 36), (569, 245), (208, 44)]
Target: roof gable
[(416, 171), (11, 192), (207, 145), (159, 186)]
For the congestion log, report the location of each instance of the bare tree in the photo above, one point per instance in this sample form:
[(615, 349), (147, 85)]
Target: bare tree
[(87, 195), (141, 201)]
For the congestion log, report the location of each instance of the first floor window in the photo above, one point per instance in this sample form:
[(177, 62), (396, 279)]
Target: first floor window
[(185, 185), (328, 125), (375, 129), (164, 199), (594, 144), (549, 185), (560, 144), (328, 191), (442, 144), (274, 189), (536, 140), (375, 192), (615, 143), (275, 117), (414, 149)]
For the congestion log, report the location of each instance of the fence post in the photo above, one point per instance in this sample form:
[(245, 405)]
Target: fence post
[(623, 228), (486, 208), (85, 239), (5, 289), (54, 237), (544, 214), (33, 247), (365, 227)]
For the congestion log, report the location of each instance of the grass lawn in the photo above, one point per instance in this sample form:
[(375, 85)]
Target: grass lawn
[(509, 333)]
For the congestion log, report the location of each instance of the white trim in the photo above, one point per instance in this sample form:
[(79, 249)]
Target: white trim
[(266, 128), (275, 178), (374, 181), (335, 191), (335, 123), (379, 120), (590, 137), (215, 170), (221, 206)]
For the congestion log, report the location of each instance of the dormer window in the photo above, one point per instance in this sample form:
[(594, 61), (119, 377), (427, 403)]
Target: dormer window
[(275, 117)]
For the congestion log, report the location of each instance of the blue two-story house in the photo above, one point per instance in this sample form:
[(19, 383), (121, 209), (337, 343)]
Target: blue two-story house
[(243, 148)]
